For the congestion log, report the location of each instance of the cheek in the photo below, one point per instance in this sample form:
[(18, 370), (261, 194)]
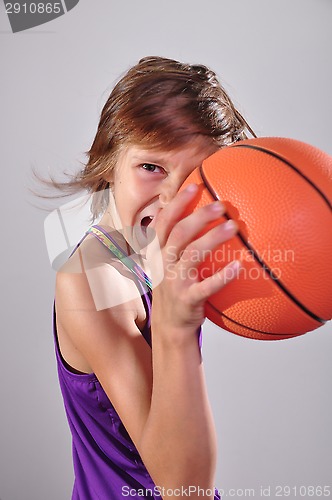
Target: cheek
[(126, 203)]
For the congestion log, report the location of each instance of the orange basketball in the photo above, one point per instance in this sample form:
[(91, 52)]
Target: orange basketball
[(280, 193)]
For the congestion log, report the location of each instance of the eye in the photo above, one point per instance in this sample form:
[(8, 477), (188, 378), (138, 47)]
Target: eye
[(150, 167)]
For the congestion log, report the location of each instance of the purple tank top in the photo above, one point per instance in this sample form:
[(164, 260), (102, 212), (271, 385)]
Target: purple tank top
[(107, 465)]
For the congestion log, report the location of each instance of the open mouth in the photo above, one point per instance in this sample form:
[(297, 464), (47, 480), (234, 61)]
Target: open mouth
[(145, 223)]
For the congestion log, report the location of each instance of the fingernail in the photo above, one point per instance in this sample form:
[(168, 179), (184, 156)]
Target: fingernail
[(217, 206), (191, 188), (230, 225), (235, 265)]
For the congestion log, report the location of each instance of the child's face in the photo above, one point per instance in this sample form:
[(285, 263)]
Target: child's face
[(144, 181)]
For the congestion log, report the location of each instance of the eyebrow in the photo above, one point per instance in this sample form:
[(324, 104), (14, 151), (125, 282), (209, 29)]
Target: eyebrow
[(148, 159)]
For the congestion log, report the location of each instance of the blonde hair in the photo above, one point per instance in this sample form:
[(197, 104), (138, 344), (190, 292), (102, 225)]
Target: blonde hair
[(159, 103)]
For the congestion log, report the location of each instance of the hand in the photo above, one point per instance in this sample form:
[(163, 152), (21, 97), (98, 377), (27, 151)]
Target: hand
[(178, 300)]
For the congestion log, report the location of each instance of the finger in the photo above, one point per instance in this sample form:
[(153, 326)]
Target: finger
[(197, 251), (201, 291), (168, 217), (189, 228)]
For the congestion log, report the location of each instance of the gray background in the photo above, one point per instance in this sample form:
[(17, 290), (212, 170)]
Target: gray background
[(272, 401)]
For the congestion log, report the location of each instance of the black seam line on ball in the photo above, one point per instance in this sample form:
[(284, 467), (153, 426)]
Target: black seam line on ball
[(278, 157), (287, 335), (260, 261)]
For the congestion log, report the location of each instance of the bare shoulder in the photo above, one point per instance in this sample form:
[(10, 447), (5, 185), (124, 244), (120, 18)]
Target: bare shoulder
[(95, 299), (96, 279)]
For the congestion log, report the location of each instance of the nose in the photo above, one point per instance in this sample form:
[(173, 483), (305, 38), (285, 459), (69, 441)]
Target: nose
[(168, 191)]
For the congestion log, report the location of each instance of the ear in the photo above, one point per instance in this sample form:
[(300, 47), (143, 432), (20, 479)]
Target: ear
[(109, 180)]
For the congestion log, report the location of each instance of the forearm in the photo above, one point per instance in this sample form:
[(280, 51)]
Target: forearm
[(178, 442)]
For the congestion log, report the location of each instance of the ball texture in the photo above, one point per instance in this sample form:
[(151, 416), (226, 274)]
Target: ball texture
[(279, 191)]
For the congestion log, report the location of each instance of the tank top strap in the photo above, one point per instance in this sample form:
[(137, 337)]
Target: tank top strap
[(107, 240)]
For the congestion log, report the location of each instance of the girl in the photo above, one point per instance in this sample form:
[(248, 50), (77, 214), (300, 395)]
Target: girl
[(131, 372)]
